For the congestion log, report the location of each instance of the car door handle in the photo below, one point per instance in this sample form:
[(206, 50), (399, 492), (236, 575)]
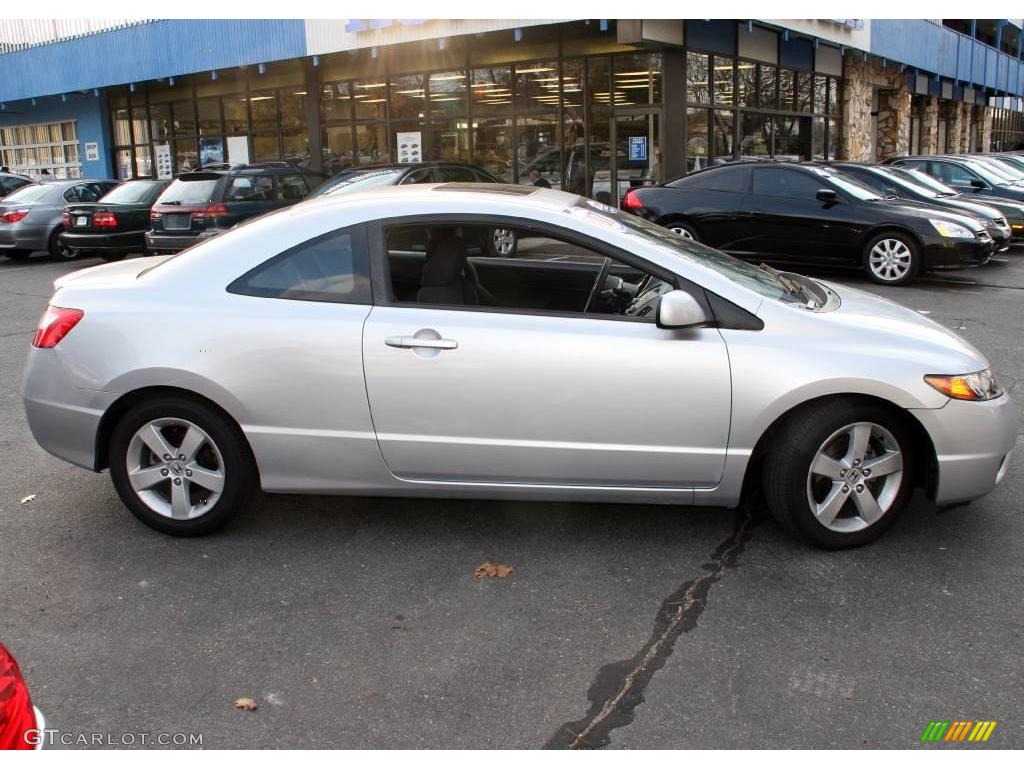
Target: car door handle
[(411, 342)]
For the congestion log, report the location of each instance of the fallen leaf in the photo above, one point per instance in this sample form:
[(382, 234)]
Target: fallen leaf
[(490, 570), (247, 704), (28, 498)]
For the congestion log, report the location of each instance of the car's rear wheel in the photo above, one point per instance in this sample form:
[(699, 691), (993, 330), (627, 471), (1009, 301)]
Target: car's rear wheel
[(839, 475), (683, 229), (180, 467), (892, 258), (60, 251)]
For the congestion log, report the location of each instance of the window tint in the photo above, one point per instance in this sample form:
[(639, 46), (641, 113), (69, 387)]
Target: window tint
[(333, 267), (82, 193), (188, 192), (422, 176), (951, 174), (130, 192), (456, 173), (293, 186), (722, 179), (783, 182), (29, 194), (252, 189)]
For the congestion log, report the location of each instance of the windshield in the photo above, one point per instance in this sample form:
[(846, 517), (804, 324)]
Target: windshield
[(925, 180), (904, 183), (770, 284), (1000, 167), (30, 194), (356, 182), (847, 184), (129, 192), (988, 173), (188, 192)]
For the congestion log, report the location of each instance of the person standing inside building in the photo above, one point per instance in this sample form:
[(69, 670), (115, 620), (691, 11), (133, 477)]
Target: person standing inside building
[(537, 179)]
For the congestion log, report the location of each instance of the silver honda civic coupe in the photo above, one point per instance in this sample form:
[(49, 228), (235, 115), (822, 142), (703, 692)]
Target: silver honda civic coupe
[(362, 344)]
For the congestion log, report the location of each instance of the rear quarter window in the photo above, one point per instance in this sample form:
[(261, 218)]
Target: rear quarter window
[(330, 268)]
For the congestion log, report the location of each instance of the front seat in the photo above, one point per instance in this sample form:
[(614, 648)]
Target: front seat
[(444, 273)]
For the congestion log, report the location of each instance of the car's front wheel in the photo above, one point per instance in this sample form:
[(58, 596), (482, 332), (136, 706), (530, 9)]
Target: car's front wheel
[(839, 475), (683, 229), (180, 466), (892, 258)]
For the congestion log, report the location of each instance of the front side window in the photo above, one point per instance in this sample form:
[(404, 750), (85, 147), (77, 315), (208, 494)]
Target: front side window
[(330, 268), (953, 174)]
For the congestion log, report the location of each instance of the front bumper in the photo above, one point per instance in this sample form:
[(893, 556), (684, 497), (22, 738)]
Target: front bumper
[(63, 418), (941, 253), (973, 442), (117, 242)]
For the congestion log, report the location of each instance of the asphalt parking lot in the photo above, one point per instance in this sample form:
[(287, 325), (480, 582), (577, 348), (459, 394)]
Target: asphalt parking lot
[(358, 623)]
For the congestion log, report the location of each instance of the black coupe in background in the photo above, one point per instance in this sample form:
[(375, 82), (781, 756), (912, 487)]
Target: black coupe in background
[(113, 226), (811, 215)]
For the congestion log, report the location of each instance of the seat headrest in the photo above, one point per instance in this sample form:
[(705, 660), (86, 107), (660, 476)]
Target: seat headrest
[(446, 259)]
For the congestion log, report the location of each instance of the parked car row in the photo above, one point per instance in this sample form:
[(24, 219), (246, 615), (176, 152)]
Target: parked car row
[(893, 221)]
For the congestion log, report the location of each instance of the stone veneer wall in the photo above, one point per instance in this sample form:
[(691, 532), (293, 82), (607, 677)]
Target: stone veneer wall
[(859, 82), (893, 124), (954, 123), (930, 127)]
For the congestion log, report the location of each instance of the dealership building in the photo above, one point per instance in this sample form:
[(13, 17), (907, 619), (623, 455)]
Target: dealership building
[(593, 104)]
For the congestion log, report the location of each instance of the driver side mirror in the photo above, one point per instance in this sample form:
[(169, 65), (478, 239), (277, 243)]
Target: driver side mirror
[(678, 309), (977, 183), (826, 195)]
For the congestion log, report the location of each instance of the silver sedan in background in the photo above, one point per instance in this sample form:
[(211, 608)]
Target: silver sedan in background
[(362, 344), (30, 217)]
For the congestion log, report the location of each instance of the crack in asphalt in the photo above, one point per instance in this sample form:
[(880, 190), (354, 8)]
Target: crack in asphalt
[(619, 687)]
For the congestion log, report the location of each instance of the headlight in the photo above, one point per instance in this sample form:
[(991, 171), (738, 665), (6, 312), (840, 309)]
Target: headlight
[(949, 229), (969, 386)]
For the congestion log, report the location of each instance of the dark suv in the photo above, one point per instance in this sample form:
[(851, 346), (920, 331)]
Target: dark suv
[(202, 204)]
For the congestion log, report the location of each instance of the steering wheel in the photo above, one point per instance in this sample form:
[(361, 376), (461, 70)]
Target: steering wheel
[(602, 276)]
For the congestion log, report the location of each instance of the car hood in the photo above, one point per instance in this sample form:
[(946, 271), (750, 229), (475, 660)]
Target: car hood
[(929, 211), (864, 318), (118, 272)]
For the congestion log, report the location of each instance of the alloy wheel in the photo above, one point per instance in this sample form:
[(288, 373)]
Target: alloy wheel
[(890, 259), (682, 232), (175, 468), (504, 242), (855, 477)]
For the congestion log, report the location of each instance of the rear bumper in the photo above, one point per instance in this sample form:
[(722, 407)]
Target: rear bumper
[(973, 442), (63, 418), (22, 238), (159, 241), (106, 241)]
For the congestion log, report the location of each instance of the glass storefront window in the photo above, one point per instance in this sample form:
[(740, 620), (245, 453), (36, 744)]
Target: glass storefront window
[(697, 78), (263, 105), (723, 81), (722, 134), (336, 102), (236, 115), (787, 93), (372, 145), (637, 77), (122, 128), (264, 147), (804, 88), (491, 90), (295, 145), (140, 125), (746, 75), (599, 82), (536, 86), (370, 98), (833, 95), (448, 94), (160, 122), (597, 162), (539, 147), (293, 109), (448, 142), (144, 161), (208, 111), (492, 146), (818, 138), (820, 93), (755, 135), (186, 156), (833, 139), (124, 163), (767, 86), (791, 134), (184, 118), (408, 96), (698, 143), (337, 148)]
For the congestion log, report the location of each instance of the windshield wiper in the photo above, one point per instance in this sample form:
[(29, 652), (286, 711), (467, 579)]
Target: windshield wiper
[(793, 287), (171, 202)]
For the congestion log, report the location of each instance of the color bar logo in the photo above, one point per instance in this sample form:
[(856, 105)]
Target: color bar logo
[(958, 730)]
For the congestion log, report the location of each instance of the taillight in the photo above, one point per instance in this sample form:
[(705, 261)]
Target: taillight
[(54, 325), (631, 200), (155, 215), (211, 212), (17, 717), (65, 219), (104, 219), (13, 217)]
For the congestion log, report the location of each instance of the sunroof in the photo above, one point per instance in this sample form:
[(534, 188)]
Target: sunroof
[(494, 189)]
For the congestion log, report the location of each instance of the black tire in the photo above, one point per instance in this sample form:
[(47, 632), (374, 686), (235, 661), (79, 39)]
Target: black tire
[(905, 241), (112, 256), (682, 228), (59, 251), (18, 255), (492, 248), (238, 467), (788, 484)]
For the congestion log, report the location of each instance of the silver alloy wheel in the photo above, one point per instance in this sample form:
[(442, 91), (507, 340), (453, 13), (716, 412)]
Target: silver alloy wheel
[(855, 477), (504, 242), (682, 232), (175, 468), (890, 259)]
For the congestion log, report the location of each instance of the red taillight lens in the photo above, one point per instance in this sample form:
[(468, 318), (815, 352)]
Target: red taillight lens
[(17, 717), (65, 219), (104, 219), (631, 200), (155, 215), (13, 217), (211, 212), (54, 325)]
